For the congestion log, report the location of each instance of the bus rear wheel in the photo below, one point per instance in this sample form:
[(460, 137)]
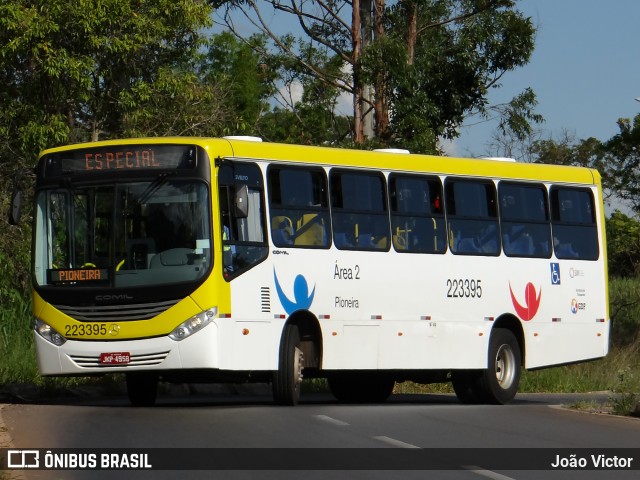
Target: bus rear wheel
[(360, 387), (142, 388), (500, 381), (288, 378)]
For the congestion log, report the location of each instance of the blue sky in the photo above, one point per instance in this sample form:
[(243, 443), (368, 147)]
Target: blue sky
[(585, 70)]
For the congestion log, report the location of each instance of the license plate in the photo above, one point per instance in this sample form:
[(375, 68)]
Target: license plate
[(115, 358)]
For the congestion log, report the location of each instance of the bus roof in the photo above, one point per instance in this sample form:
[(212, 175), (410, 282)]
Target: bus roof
[(382, 160)]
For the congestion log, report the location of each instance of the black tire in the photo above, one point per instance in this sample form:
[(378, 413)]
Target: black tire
[(142, 388), (288, 378), (499, 382), (466, 384), (361, 387)]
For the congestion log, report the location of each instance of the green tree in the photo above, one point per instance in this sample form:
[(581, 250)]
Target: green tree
[(74, 70), (242, 70), (418, 66), (307, 110), (623, 245), (622, 161), (77, 70)]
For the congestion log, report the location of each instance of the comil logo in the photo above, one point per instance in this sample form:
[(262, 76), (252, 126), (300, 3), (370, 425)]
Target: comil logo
[(531, 302)]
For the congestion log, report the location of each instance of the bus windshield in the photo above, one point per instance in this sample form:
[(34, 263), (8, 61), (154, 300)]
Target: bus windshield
[(122, 235)]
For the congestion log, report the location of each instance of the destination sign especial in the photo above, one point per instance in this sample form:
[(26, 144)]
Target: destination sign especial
[(120, 159)]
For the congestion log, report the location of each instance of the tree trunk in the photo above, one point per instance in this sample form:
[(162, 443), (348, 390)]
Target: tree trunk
[(358, 111), (412, 33), (381, 101)]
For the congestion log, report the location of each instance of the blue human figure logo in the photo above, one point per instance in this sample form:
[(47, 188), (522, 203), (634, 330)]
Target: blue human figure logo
[(302, 298)]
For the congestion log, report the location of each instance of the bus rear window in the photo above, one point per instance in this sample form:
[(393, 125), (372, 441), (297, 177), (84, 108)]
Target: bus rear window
[(573, 222)]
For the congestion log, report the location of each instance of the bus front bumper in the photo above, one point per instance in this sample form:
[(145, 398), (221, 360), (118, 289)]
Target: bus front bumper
[(74, 357)]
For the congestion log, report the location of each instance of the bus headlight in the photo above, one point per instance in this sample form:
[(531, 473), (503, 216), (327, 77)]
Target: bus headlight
[(194, 324), (49, 333)]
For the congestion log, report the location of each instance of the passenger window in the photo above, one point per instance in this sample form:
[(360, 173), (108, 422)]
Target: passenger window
[(417, 214), (524, 220), (573, 221), (472, 217), (299, 211), (360, 219)]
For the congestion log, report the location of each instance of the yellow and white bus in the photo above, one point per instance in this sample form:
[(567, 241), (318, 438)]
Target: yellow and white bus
[(232, 259)]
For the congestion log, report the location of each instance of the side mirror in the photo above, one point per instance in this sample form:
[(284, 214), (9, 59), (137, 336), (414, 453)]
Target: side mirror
[(16, 208), (242, 201)]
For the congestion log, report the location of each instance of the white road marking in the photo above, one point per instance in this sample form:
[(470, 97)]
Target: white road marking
[(333, 421), (486, 473), (394, 442)]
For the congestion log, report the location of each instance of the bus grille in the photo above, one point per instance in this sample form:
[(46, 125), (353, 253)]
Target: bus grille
[(116, 313), (145, 360)]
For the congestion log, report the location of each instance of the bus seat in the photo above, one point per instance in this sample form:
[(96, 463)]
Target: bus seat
[(282, 230), (365, 240), (565, 250), (341, 241), (381, 243), (523, 245), (311, 231), (467, 245), (399, 242), (139, 252)]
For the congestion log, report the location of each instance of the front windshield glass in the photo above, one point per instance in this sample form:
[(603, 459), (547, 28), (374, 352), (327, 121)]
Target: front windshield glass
[(128, 234)]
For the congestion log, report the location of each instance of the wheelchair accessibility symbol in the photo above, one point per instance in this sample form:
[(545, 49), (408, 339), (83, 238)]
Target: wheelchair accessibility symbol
[(555, 274)]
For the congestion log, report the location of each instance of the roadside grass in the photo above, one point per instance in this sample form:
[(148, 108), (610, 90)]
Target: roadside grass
[(17, 350), (618, 373), (595, 376)]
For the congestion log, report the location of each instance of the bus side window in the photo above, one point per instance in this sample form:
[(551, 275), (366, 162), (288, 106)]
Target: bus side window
[(524, 220), (472, 217), (298, 207), (359, 218), (573, 221), (417, 220)]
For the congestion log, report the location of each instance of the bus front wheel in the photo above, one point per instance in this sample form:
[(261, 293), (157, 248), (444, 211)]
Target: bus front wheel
[(288, 378), (142, 388)]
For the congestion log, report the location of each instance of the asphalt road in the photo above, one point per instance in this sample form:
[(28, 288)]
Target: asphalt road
[(193, 428)]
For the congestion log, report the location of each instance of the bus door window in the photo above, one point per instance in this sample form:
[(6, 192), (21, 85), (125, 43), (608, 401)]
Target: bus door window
[(472, 217), (359, 216), (417, 219), (574, 223), (242, 217), (524, 220)]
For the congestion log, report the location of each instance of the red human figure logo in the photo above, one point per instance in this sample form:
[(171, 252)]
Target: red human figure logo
[(531, 302)]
